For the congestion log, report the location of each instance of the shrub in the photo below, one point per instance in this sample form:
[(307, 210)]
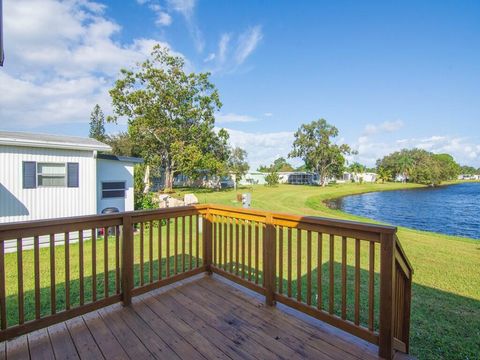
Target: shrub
[(272, 179)]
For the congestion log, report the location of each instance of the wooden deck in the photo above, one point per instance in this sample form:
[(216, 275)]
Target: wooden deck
[(201, 318)]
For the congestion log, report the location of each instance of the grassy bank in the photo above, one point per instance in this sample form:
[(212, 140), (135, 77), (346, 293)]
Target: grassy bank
[(446, 293)]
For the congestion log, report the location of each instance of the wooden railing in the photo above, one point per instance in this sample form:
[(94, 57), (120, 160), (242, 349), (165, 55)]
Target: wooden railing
[(352, 275)]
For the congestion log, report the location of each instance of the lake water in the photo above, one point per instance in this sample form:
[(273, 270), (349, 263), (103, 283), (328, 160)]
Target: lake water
[(453, 210)]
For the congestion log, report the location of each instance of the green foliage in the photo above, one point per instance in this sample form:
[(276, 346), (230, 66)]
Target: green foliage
[(314, 144), (420, 166), (122, 144), (272, 179), (469, 170), (384, 174), (357, 168), (145, 201), (171, 116), (278, 165), (237, 163), (97, 124)]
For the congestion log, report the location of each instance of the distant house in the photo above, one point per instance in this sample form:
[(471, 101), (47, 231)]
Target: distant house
[(366, 177), (469, 177), (254, 178), (49, 176), (298, 178)]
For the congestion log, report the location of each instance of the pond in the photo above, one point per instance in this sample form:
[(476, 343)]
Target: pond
[(452, 210)]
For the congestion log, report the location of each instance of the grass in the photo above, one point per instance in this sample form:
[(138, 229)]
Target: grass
[(446, 292)]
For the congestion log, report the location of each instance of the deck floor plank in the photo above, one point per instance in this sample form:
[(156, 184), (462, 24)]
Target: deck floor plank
[(106, 341), (40, 345), (62, 343), (83, 340), (207, 317), (18, 348)]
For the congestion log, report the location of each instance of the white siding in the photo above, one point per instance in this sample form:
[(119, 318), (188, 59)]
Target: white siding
[(114, 170), (18, 204)]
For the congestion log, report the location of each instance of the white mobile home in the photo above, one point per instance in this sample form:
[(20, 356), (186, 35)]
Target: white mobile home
[(48, 176)]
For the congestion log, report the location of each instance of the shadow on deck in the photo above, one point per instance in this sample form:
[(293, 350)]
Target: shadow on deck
[(204, 317)]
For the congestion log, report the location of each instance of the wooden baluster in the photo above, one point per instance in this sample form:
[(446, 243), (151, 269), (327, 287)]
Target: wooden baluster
[(237, 247), (94, 265), (357, 281), (105, 262), (371, 288), (214, 239), (257, 241), (225, 242), (36, 262), (280, 259), (198, 241), (231, 244), (299, 265), (175, 246), (207, 241), (190, 241), (183, 243), (319, 271), (289, 264), (167, 250), (309, 267), (117, 259), (53, 292), (344, 277), (3, 303), (67, 271), (81, 265), (220, 241), (142, 235), (243, 249), (159, 235), (332, 275), (150, 250), (387, 293), (21, 313), (127, 260), (262, 243), (249, 251)]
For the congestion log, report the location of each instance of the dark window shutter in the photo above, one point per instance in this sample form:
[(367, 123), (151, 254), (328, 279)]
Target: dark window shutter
[(72, 174), (29, 174)]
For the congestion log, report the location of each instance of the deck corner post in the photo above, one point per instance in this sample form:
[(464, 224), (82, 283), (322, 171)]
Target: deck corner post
[(127, 260), (269, 262), (387, 295), (207, 241)]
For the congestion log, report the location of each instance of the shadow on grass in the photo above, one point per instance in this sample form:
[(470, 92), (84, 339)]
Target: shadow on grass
[(74, 291)]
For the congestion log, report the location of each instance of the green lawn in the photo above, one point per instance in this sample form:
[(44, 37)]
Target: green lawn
[(446, 292)]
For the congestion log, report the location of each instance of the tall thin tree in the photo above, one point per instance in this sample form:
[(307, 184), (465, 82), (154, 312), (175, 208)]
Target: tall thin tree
[(97, 124)]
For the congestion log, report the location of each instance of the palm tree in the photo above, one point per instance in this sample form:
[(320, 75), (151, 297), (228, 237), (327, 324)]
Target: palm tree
[(405, 165), (384, 174), (356, 168)]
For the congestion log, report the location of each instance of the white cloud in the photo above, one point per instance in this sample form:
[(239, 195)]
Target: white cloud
[(61, 60), (187, 8), (210, 57), (231, 118), (163, 18), (386, 126), (263, 148), (247, 43), (230, 56), (268, 114)]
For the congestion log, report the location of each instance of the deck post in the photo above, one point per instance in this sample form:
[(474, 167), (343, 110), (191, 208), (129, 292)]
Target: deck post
[(387, 295), (207, 241), (269, 260), (127, 260)]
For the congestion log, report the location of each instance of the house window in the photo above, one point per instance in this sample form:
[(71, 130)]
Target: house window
[(51, 174), (113, 189)]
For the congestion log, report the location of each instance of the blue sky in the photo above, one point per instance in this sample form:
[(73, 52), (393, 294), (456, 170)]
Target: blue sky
[(387, 74)]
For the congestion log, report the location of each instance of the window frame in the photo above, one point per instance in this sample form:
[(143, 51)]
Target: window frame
[(116, 189), (39, 174)]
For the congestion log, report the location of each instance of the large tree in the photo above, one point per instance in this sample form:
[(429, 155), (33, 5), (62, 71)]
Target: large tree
[(237, 164), (97, 124), (171, 115), (314, 144)]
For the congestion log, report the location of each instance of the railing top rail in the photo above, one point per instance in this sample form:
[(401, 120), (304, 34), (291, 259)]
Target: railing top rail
[(109, 219), (402, 253), (315, 220)]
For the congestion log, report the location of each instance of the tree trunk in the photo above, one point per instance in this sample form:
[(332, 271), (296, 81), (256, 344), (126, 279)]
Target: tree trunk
[(168, 179), (146, 180)]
